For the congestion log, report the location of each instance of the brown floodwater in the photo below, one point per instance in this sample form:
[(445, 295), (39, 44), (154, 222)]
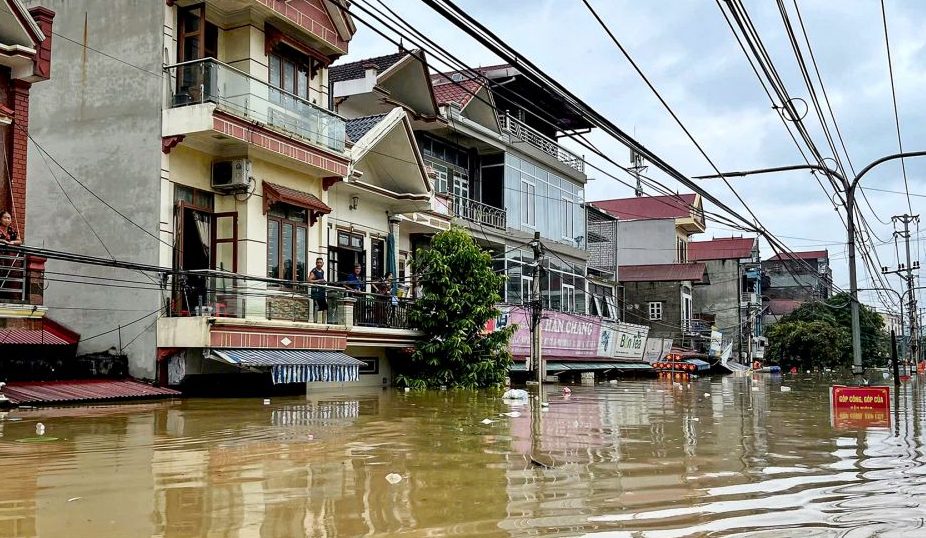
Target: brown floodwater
[(723, 456)]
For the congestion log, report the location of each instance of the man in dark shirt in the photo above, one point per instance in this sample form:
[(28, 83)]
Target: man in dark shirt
[(317, 275)]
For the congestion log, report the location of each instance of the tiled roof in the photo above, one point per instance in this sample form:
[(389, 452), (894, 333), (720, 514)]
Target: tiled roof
[(355, 70), (648, 207), (84, 390), (669, 272), (279, 193), (807, 255), (781, 307), (728, 248), (460, 93), (358, 127)]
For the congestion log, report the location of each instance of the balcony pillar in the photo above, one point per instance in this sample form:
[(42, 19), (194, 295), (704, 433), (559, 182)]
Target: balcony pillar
[(35, 280), (346, 306)]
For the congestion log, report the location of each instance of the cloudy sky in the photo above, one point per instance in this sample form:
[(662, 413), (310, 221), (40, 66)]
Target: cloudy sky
[(689, 53)]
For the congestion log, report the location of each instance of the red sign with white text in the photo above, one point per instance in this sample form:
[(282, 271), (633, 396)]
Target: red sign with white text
[(860, 407)]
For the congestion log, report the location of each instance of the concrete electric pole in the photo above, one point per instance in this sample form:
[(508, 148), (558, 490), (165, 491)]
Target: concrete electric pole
[(536, 309), (907, 271)]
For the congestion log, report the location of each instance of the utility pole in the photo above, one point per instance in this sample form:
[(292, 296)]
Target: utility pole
[(536, 309), (907, 270)]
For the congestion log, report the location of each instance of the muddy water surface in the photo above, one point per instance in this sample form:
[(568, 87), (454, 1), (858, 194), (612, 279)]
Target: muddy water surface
[(723, 456)]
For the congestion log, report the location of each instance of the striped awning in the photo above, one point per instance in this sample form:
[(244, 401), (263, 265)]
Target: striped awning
[(295, 366)]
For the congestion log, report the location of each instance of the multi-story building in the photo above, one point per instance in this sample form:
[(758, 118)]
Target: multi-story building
[(733, 299), (496, 169), (799, 276), (207, 129), (654, 229), (603, 296), (661, 297), (31, 343)]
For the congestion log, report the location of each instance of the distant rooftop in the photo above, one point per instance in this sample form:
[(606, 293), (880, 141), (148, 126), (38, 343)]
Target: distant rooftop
[(727, 248), (669, 272), (355, 70), (806, 255), (358, 127), (649, 207)]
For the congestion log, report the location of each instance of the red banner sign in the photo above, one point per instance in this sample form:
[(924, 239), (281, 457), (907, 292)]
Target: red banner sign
[(860, 407)]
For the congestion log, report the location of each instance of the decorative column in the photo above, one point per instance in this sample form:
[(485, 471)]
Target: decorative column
[(346, 307)]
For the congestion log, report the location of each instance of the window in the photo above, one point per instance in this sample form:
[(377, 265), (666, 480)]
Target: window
[(528, 203), (682, 246), (569, 298), (686, 311), (568, 219), (527, 285), (655, 311), (377, 258), (287, 242), (290, 73)]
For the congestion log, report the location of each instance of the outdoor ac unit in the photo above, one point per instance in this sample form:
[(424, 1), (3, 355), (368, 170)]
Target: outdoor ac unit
[(231, 175)]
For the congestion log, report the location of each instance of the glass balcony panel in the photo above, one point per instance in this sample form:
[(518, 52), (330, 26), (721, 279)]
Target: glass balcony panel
[(239, 94)]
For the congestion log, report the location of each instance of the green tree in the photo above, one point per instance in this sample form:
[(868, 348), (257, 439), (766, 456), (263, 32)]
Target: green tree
[(461, 294), (819, 334)]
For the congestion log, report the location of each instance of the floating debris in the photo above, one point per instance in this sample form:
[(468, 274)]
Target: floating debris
[(487, 421), (393, 478)]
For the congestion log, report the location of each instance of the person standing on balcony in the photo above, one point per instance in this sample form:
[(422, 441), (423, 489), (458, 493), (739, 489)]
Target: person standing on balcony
[(319, 295), (8, 235), (354, 282)]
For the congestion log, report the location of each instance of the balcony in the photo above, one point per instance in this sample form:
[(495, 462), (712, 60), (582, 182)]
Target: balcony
[(214, 294), (477, 212), (239, 94), (528, 134), (22, 278)]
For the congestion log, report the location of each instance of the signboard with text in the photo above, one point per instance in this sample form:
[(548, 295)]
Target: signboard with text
[(860, 407), (561, 335)]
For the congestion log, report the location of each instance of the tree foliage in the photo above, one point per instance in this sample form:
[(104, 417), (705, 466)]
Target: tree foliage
[(819, 334), (461, 294)]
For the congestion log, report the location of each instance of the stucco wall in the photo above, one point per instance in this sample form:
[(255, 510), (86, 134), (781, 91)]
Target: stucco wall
[(721, 297), (638, 297), (642, 242), (101, 120)]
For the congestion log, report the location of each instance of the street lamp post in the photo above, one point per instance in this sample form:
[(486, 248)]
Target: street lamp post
[(849, 190)]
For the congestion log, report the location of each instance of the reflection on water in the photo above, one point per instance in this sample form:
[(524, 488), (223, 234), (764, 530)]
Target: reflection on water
[(722, 456)]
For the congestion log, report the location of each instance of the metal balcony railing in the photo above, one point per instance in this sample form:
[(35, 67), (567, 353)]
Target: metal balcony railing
[(477, 212), (526, 133), (240, 94), (13, 281), (227, 295)]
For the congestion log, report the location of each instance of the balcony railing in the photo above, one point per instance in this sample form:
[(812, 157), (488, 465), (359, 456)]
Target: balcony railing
[(13, 281), (225, 295), (526, 133), (477, 212), (240, 94)]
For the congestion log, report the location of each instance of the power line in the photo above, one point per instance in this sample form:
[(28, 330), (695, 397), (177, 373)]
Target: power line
[(890, 70)]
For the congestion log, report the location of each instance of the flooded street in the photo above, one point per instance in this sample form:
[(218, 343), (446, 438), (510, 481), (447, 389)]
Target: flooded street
[(640, 458)]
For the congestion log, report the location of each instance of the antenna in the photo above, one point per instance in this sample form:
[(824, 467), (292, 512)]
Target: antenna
[(636, 169)]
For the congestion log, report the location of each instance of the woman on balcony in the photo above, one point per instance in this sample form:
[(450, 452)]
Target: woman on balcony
[(8, 235)]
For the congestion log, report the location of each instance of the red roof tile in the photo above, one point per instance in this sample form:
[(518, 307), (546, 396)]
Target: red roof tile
[(460, 93), (279, 193), (82, 390), (649, 207), (728, 248), (669, 272), (807, 255), (31, 337)]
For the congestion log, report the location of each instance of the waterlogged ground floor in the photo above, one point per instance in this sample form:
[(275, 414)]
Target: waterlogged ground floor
[(722, 456)]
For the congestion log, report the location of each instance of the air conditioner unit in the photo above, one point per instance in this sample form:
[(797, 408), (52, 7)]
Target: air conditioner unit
[(231, 175)]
